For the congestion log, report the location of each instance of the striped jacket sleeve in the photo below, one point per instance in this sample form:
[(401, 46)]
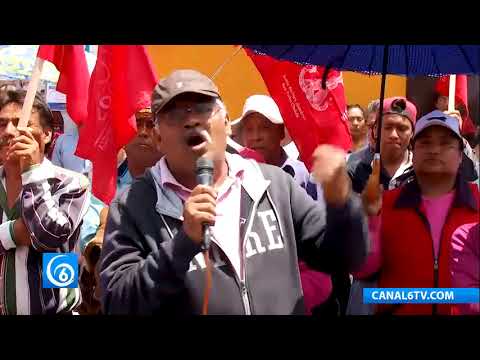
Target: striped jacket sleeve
[(54, 202)]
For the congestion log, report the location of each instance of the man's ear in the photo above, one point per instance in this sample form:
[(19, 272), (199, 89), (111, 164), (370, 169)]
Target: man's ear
[(228, 127), (48, 132), (157, 139)]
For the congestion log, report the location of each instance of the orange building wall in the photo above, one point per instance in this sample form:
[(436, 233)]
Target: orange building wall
[(239, 78), (361, 89)]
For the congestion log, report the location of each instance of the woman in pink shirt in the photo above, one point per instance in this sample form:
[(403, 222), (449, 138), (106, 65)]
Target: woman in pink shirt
[(465, 263)]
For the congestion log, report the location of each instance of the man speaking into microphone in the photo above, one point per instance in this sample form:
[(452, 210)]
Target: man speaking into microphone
[(259, 220)]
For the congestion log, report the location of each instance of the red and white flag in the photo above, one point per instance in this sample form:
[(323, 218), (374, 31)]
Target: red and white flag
[(461, 97), (121, 84), (312, 115), (74, 78)]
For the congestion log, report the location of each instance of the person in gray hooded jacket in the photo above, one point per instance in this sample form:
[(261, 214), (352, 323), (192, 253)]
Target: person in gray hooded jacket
[(261, 221)]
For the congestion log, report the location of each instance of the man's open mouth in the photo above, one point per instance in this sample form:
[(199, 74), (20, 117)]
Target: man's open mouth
[(195, 139)]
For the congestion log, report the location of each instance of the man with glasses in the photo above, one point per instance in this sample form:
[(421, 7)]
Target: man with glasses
[(260, 220)]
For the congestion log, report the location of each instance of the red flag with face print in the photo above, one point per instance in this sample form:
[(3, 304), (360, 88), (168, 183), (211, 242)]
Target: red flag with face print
[(312, 115)]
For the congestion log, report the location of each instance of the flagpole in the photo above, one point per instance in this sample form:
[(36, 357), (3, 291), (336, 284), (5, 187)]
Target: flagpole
[(451, 93), (31, 91), (220, 68), (372, 189)]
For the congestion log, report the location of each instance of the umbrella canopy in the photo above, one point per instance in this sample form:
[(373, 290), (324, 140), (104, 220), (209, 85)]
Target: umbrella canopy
[(409, 60)]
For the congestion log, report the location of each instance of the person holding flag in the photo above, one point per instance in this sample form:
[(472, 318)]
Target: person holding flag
[(103, 108), (41, 206), (467, 127)]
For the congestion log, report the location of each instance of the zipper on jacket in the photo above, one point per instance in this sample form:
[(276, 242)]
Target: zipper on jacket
[(435, 282), (435, 258), (245, 300), (243, 280), (241, 283), (435, 269)]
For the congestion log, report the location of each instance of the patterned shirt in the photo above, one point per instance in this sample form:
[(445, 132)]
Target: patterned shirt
[(52, 204)]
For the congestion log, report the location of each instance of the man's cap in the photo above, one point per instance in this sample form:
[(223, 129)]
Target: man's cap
[(400, 106), (180, 82), (437, 118), (263, 105)]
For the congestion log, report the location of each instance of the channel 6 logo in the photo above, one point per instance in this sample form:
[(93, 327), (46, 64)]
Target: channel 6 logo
[(60, 270)]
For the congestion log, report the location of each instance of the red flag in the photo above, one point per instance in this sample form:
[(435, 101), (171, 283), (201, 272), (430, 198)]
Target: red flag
[(73, 81), (461, 97), (121, 84), (312, 115)]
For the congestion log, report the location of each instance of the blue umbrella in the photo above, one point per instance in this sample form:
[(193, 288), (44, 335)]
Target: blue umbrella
[(409, 60)]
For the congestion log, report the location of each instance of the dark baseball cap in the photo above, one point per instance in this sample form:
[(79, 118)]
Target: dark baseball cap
[(180, 82)]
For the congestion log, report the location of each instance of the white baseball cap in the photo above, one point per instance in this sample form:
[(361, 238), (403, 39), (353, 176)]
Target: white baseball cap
[(437, 118), (261, 104)]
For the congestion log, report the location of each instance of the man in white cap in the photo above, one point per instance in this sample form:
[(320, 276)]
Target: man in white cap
[(262, 130)]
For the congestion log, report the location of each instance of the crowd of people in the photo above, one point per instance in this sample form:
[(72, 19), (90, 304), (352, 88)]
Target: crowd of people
[(284, 240)]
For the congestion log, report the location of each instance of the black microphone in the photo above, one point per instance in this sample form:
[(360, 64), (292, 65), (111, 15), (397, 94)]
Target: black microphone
[(205, 177)]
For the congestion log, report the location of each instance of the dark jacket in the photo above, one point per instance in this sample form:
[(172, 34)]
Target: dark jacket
[(149, 265), (359, 169)]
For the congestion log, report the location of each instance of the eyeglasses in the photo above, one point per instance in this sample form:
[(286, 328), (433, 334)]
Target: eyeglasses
[(145, 121), (177, 115)]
